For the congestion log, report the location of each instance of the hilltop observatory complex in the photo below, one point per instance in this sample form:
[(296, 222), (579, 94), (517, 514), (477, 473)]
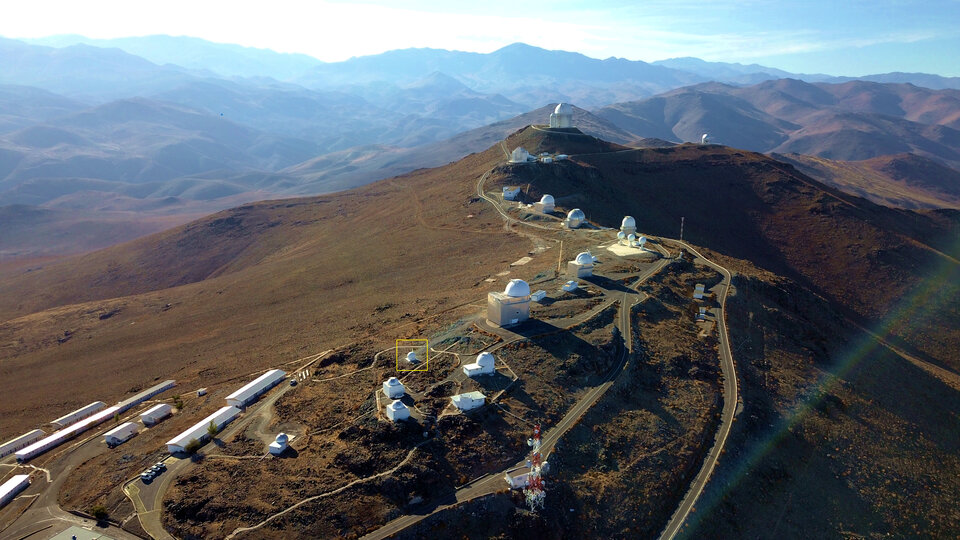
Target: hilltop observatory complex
[(562, 116), (510, 307)]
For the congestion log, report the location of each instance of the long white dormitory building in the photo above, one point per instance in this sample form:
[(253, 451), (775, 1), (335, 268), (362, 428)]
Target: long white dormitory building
[(79, 426), (10, 488), (255, 388), (199, 430)]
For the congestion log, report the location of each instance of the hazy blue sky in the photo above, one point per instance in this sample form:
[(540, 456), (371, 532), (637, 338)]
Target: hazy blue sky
[(840, 37)]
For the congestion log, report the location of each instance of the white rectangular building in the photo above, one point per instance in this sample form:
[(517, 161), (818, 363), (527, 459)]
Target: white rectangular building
[(59, 437), (255, 388), (12, 487), (22, 441), (155, 414), (468, 400), (120, 434), (199, 431), (79, 414), (133, 401), (518, 478)]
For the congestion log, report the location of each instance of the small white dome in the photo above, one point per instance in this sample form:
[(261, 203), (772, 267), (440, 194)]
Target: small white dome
[(628, 221), (411, 357), (632, 237), (517, 288), (643, 239), (577, 214), (621, 235), (282, 438), (485, 359), (563, 108), (393, 381), (397, 405), (584, 258), (547, 199)]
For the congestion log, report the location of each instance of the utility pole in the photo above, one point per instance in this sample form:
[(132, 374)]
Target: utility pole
[(681, 228), (560, 258)]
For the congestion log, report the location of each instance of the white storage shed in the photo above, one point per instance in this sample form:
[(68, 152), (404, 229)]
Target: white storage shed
[(139, 398), (22, 441), (79, 414), (120, 434), (155, 414), (255, 388), (468, 400), (12, 487), (199, 432)]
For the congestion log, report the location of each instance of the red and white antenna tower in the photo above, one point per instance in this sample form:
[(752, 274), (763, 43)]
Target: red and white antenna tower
[(535, 492)]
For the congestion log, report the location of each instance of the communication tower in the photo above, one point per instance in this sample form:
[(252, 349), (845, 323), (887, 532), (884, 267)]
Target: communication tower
[(535, 492)]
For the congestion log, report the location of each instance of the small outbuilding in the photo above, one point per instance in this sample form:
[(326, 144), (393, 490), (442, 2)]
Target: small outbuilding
[(393, 388), (120, 434), (581, 266), (397, 411), (484, 365), (698, 291), (518, 478), (279, 445), (510, 307), (519, 155), (510, 193), (468, 400), (538, 296), (570, 286), (155, 414)]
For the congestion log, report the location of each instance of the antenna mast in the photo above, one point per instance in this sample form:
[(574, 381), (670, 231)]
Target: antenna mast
[(681, 227), (535, 492)]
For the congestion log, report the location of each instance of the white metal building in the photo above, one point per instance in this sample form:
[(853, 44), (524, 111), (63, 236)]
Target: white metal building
[(510, 192), (131, 402), (393, 388), (59, 437), (575, 218), (468, 400), (698, 291), (12, 487), (79, 414), (581, 266), (199, 432), (562, 116), (22, 441), (628, 225), (538, 296), (120, 434), (397, 411), (545, 205), (570, 286), (255, 388), (519, 155), (517, 478), (155, 414), (279, 445), (512, 306), (485, 364)]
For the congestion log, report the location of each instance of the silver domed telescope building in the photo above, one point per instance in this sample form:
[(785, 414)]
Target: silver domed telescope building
[(510, 307), (575, 218), (582, 266), (562, 116)]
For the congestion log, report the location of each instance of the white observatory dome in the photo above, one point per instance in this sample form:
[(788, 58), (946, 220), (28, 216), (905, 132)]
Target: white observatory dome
[(632, 237), (584, 258), (643, 239), (563, 108), (412, 358), (621, 235), (282, 439), (547, 199), (628, 222), (517, 288), (576, 217), (485, 359)]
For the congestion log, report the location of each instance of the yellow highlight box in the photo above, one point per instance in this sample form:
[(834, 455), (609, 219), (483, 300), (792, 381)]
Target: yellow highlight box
[(426, 354)]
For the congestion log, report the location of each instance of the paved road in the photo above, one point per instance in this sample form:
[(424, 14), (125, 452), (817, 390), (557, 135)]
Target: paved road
[(729, 409)]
